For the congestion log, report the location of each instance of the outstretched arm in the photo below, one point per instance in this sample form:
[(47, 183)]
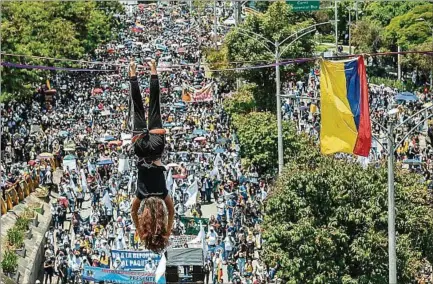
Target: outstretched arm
[(170, 208)]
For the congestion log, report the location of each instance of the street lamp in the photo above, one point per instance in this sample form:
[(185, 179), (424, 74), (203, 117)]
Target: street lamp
[(277, 57), (350, 27), (390, 132), (431, 69)]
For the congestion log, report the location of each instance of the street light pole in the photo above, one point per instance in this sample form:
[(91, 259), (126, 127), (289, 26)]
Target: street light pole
[(350, 32), (336, 26), (392, 257), (276, 54), (279, 118)]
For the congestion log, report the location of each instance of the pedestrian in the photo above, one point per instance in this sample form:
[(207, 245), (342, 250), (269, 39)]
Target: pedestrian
[(48, 270)]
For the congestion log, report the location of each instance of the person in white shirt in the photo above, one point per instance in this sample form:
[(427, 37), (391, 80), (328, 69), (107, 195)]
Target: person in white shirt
[(228, 247), (149, 267), (120, 242), (212, 237), (117, 265)]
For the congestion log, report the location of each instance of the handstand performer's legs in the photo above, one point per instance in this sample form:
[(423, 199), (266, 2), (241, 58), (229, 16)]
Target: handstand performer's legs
[(139, 118), (155, 120)]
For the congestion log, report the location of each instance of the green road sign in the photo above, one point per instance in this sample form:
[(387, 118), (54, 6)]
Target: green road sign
[(304, 6)]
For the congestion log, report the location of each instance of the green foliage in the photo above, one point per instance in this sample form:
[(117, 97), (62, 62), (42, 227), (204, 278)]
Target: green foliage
[(419, 61), (241, 101), (218, 60), (407, 30), (328, 39), (56, 29), (275, 25), (9, 262), (22, 223), (392, 83), (326, 222), (384, 12), (258, 137), (15, 238), (366, 36)]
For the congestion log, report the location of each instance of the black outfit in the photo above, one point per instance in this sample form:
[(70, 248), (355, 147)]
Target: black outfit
[(148, 147)]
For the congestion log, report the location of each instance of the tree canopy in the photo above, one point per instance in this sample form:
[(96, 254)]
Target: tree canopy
[(56, 29), (257, 132), (326, 222), (241, 45)]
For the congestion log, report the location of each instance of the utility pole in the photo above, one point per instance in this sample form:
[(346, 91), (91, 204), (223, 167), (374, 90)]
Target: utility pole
[(399, 63), (356, 11), (238, 11), (279, 118), (350, 32), (336, 26), (392, 256), (215, 22)]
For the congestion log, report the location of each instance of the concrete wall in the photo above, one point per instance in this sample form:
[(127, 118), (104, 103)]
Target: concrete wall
[(29, 267)]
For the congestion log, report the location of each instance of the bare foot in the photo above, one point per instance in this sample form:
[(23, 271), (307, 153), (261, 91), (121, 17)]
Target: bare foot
[(132, 68), (152, 65)]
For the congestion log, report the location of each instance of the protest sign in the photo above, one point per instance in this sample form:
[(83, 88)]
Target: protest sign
[(192, 224), (191, 95), (180, 241), (135, 260), (98, 274)]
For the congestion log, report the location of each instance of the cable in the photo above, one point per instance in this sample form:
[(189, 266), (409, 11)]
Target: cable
[(123, 65), (212, 1), (291, 61)]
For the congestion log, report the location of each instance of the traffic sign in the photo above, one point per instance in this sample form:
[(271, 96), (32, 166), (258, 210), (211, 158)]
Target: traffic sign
[(304, 6)]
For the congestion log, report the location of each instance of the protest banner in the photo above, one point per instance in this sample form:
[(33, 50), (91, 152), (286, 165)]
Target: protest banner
[(98, 274), (192, 224), (135, 260), (180, 241), (192, 95)]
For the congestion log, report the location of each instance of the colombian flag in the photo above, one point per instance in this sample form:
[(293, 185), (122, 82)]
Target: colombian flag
[(345, 115)]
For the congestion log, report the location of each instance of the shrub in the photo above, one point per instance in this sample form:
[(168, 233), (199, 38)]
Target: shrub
[(15, 238), (22, 223), (10, 262)]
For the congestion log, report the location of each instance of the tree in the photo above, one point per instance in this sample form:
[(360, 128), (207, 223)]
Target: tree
[(326, 222), (217, 59), (276, 24), (407, 30), (366, 36), (242, 101), (422, 62), (258, 136), (384, 12), (57, 30)]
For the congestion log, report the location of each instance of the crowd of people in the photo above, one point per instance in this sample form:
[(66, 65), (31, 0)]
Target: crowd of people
[(85, 125)]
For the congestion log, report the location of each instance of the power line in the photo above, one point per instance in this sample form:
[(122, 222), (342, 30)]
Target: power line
[(212, 1), (291, 61), (124, 65)]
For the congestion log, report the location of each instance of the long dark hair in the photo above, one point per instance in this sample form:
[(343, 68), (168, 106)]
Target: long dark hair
[(153, 224)]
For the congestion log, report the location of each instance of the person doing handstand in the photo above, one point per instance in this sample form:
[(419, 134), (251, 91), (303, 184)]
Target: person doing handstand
[(155, 221)]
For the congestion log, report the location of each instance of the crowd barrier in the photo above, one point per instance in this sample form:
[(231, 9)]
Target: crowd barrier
[(18, 191)]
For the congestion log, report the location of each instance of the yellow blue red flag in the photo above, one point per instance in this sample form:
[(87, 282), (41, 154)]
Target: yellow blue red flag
[(345, 115)]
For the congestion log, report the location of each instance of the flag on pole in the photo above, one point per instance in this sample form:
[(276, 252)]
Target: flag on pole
[(106, 200), (345, 115), (192, 194)]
